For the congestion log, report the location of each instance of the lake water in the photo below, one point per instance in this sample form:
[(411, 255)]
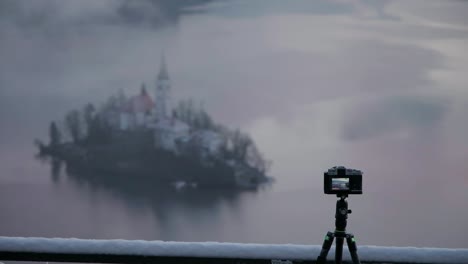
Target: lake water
[(378, 86)]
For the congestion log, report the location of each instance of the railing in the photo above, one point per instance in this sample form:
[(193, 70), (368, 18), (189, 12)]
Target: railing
[(124, 251)]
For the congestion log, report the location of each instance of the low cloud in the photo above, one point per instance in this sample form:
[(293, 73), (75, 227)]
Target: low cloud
[(393, 114), (52, 14), (155, 12)]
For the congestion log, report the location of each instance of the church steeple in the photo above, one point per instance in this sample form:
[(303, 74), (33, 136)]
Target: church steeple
[(163, 74), (162, 92)]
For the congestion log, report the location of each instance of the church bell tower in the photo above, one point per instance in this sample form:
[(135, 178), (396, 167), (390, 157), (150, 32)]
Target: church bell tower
[(162, 93)]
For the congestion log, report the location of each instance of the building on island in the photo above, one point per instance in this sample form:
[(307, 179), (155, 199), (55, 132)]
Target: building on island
[(155, 113), (142, 111), (136, 112)]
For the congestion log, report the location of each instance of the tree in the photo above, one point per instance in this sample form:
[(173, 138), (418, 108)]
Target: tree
[(195, 117), (88, 114), (255, 159), (205, 120), (241, 143), (73, 125), (99, 130), (54, 134), (111, 104), (121, 98), (187, 112)]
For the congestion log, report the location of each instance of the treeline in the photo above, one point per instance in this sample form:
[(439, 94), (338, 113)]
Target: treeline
[(196, 117), (82, 127), (237, 146)]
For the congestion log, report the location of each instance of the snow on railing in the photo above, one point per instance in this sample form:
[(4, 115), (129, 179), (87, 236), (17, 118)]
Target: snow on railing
[(138, 251)]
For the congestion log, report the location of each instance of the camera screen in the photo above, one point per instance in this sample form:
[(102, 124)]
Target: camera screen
[(340, 184)]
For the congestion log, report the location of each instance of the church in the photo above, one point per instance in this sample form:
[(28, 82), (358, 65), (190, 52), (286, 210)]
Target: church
[(145, 112), (142, 110)]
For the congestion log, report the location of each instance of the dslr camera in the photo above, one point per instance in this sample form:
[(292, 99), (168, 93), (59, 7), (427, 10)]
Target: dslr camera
[(340, 180)]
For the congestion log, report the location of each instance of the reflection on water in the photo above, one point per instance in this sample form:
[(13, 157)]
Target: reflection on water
[(55, 168), (171, 207), (159, 198)]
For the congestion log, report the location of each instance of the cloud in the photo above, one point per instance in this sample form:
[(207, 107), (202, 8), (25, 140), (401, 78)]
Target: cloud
[(291, 77), (53, 14), (390, 115), (437, 14), (155, 12)]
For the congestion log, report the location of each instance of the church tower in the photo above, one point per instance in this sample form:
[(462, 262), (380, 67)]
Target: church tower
[(162, 93)]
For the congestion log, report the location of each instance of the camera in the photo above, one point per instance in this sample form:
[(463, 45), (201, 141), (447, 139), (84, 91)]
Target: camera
[(340, 180)]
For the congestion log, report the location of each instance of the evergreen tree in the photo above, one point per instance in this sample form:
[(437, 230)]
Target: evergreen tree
[(241, 143), (197, 118), (121, 98), (73, 125), (88, 114), (205, 120), (99, 130), (54, 134)]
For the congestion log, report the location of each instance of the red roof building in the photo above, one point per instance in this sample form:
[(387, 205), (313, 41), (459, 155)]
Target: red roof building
[(142, 103)]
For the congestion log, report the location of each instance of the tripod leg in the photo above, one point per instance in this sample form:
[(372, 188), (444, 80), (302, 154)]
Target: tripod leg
[(352, 248), (322, 258), (339, 250)]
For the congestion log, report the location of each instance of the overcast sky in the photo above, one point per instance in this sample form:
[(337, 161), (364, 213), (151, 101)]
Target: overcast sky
[(376, 85)]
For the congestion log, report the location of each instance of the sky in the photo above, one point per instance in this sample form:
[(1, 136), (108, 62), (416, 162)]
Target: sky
[(376, 85)]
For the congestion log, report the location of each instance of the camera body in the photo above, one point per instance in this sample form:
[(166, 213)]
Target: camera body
[(340, 180)]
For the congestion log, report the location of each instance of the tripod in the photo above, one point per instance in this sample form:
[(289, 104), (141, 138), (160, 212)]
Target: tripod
[(340, 234)]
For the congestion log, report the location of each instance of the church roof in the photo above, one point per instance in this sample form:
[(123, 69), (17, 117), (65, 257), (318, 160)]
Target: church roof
[(141, 103)]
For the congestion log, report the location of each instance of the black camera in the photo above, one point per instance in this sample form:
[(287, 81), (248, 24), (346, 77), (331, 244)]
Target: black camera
[(342, 181)]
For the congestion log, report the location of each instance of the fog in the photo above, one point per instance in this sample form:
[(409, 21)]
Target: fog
[(374, 85)]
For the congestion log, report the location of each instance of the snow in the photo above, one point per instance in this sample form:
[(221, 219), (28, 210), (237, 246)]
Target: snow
[(209, 140), (226, 250), (180, 127)]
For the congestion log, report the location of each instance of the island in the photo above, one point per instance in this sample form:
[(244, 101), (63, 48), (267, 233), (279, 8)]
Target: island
[(148, 140)]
